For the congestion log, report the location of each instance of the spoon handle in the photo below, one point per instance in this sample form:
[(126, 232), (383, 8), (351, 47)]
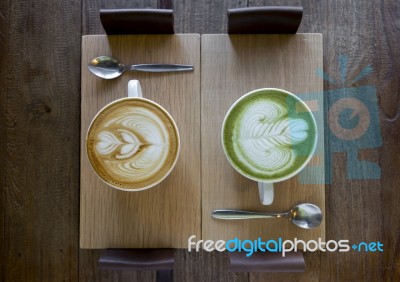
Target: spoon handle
[(235, 214), (161, 67)]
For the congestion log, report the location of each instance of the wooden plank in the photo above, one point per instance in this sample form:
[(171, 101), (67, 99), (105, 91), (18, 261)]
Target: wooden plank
[(4, 43), (165, 215), (164, 4), (39, 156), (203, 16), (232, 66)]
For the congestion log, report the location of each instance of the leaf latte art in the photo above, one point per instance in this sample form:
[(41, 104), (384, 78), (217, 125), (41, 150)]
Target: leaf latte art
[(133, 145), (266, 138)]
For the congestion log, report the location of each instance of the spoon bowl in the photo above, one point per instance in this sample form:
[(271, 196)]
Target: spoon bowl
[(109, 68), (106, 67), (304, 215)]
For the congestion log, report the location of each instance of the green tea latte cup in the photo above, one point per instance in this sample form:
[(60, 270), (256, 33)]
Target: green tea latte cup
[(269, 135)]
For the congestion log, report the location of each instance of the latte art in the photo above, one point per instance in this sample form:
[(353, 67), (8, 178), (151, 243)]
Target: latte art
[(265, 137), (136, 143), (133, 143)]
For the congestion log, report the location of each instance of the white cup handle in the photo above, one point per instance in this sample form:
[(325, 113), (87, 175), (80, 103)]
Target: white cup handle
[(266, 191), (134, 89)]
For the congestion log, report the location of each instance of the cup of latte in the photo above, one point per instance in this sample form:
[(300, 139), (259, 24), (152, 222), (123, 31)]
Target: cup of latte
[(269, 135), (133, 143)]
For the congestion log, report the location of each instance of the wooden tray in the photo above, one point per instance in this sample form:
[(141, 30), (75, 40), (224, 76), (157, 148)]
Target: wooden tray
[(231, 66), (166, 215), (203, 180)]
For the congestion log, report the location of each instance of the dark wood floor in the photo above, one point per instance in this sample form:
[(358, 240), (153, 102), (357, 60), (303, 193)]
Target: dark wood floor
[(40, 48)]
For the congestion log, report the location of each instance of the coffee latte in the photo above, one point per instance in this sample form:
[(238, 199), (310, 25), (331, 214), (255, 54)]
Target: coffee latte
[(132, 143), (268, 135)]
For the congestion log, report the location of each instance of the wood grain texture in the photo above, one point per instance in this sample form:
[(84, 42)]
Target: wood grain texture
[(204, 16), (365, 31), (235, 65), (40, 97), (4, 43), (165, 215), (165, 4)]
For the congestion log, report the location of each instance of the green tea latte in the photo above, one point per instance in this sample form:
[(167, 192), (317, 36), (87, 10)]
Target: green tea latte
[(269, 135)]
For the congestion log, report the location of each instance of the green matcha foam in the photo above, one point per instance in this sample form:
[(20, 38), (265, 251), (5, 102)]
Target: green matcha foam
[(268, 135)]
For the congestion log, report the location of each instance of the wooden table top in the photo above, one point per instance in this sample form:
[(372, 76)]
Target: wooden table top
[(40, 44)]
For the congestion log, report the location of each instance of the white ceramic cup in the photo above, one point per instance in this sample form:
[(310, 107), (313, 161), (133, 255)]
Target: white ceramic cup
[(266, 184)]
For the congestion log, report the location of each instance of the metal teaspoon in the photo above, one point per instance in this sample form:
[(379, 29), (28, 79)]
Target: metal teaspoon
[(108, 68), (303, 215)]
